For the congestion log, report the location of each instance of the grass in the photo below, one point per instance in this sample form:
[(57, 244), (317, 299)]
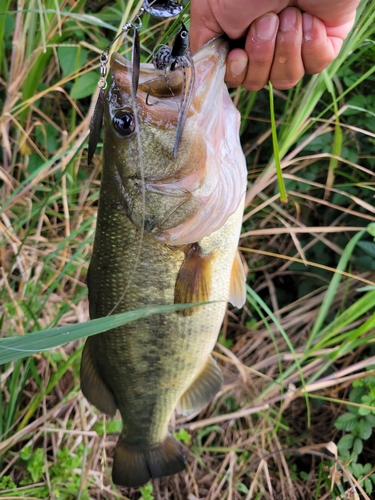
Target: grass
[(291, 358)]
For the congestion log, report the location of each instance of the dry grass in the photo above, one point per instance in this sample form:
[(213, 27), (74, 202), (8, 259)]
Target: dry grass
[(264, 427)]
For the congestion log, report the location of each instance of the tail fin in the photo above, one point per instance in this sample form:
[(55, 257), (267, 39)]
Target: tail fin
[(133, 466)]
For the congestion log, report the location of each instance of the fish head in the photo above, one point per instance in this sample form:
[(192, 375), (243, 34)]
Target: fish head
[(165, 194), (141, 132)]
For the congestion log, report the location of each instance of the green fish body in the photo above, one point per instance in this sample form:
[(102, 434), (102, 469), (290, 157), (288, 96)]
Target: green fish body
[(167, 232)]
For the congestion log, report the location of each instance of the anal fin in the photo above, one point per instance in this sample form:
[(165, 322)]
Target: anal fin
[(92, 384), (202, 390), (193, 283), (237, 287), (133, 466)]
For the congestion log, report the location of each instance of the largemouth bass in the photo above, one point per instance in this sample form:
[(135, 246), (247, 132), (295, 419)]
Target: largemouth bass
[(167, 232)]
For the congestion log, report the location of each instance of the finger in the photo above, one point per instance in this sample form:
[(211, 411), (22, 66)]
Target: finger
[(317, 49), (287, 68), (334, 14), (342, 30), (337, 34), (260, 47), (237, 61), (203, 25), (212, 17)]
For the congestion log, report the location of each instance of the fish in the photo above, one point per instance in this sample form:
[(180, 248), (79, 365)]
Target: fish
[(167, 232)]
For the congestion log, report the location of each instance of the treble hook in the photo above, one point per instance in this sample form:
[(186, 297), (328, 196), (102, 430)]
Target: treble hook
[(157, 8), (178, 58)]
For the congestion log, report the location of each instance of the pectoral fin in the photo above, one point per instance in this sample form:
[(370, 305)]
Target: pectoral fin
[(193, 282), (237, 289), (202, 390), (92, 384)]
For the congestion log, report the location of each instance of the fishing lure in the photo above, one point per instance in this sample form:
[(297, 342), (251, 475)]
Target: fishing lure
[(97, 117), (172, 59), (162, 9), (175, 57), (158, 9)]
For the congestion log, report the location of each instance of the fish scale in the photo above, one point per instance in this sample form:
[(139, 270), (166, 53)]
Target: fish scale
[(148, 368)]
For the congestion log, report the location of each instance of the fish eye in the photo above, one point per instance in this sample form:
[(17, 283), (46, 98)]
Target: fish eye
[(184, 34), (123, 123)]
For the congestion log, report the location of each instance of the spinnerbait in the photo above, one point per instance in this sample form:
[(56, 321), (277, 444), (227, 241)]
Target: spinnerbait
[(97, 117), (172, 59), (156, 8)]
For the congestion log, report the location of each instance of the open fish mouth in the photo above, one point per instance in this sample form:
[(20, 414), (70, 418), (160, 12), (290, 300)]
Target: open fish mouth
[(150, 77), (159, 94), (166, 88)]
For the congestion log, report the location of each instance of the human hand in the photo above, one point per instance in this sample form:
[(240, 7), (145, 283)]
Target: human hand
[(284, 38)]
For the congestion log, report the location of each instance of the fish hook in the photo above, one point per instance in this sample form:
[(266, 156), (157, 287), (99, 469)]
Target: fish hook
[(97, 117), (147, 98), (157, 8), (178, 58)]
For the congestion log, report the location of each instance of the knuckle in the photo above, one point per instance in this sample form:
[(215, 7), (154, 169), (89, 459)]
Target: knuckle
[(254, 85), (284, 84)]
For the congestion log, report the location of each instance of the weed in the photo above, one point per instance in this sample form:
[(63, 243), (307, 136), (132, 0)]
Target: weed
[(308, 324), (146, 492), (183, 436), (64, 475), (358, 425)]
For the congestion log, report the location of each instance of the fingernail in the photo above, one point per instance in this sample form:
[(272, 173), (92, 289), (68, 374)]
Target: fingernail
[(237, 67), (307, 25), (266, 26), (288, 20)]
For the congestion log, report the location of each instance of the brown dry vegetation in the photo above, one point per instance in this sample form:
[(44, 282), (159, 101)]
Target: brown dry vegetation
[(264, 428)]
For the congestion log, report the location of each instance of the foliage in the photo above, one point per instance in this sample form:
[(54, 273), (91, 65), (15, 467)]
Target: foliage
[(183, 436), (146, 492), (358, 425), (309, 320), (64, 475)]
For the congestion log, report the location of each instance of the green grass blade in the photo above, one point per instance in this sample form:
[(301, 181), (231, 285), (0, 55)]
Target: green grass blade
[(268, 311), (3, 14), (332, 289), (19, 347), (330, 335), (280, 180), (54, 379)]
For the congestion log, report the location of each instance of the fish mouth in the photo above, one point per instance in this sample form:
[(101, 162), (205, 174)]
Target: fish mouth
[(165, 89), (159, 96), (151, 80)]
